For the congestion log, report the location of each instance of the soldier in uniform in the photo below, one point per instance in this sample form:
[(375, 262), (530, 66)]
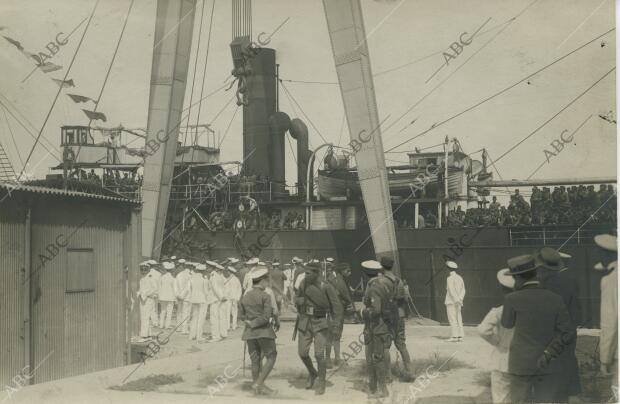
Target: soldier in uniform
[(260, 330), (317, 304), (376, 332), (337, 279), (399, 299)]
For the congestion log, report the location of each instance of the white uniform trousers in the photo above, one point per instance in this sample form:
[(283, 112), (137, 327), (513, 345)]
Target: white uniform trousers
[(184, 311), (155, 313), (455, 319), (199, 312), (165, 317), (214, 318), (146, 308), (224, 318), (234, 306)]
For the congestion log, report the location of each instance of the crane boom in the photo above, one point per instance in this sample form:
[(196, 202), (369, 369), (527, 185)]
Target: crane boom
[(174, 28), (345, 24)]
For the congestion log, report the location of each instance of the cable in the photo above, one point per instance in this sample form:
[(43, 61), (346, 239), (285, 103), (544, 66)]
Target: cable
[(309, 82), (436, 125), (304, 113), (107, 75), (222, 110), (206, 96), (8, 124), (32, 135), (555, 115), (191, 94), (60, 87), (291, 147), (228, 127), (459, 67)]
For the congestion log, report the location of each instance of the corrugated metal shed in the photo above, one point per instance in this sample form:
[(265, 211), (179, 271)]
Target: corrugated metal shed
[(68, 261)]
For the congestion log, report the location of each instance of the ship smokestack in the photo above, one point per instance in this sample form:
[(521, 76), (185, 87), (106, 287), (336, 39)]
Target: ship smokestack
[(279, 123), (299, 132)]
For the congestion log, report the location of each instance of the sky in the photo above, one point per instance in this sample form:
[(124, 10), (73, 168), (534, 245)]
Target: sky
[(406, 40)]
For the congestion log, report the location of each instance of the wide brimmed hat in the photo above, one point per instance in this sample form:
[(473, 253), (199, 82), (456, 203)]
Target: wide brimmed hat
[(607, 242), (505, 278), (549, 258), (522, 264)]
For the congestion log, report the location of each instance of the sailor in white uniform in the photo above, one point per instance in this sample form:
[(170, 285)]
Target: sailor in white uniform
[(184, 308), (167, 295), (455, 293), (232, 290), (154, 272), (146, 293), (198, 300)]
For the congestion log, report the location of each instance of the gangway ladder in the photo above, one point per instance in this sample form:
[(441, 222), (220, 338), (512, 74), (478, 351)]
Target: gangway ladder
[(7, 173)]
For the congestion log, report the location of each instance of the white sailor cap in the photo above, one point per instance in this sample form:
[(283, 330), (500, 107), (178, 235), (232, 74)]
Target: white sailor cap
[(372, 264), (231, 269), (296, 260), (329, 259), (451, 265), (252, 261), (275, 264), (168, 265), (233, 260), (182, 261), (218, 266), (258, 274), (144, 264), (261, 263), (201, 267), (174, 257), (152, 262), (564, 255)]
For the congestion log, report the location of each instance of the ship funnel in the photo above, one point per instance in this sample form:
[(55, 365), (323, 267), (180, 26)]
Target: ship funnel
[(299, 132), (279, 123)]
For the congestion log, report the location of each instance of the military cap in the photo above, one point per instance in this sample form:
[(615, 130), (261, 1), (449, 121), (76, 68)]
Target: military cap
[(371, 267), (233, 260), (168, 265), (252, 261), (182, 261), (144, 264), (296, 260), (329, 259), (201, 267), (451, 265), (152, 262), (174, 257), (387, 262)]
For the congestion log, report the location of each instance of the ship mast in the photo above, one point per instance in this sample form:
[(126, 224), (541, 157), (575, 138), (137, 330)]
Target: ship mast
[(347, 33), (174, 26)]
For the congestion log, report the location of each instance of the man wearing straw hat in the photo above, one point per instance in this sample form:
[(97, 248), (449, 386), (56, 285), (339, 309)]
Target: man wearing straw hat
[(609, 304), (491, 330), (554, 275), (542, 331)]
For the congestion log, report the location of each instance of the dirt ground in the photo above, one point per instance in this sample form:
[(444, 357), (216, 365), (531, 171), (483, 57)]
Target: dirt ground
[(184, 371)]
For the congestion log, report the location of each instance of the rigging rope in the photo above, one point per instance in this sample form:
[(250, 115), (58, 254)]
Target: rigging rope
[(436, 125), (304, 113), (228, 127), (49, 113)]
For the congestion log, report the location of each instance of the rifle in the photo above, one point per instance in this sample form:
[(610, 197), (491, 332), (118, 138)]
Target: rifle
[(295, 329)]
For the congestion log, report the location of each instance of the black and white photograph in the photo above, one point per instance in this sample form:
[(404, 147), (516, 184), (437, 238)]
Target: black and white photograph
[(329, 201)]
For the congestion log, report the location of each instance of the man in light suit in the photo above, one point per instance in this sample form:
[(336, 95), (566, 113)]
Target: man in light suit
[(167, 295), (184, 307), (198, 300), (455, 294), (215, 304), (146, 293), (609, 305), (232, 287)]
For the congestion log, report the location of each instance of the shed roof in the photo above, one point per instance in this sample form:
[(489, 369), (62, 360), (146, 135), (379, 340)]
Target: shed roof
[(13, 187)]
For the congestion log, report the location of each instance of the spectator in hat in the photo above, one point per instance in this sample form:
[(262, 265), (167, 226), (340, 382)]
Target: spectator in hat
[(491, 330), (146, 294), (455, 294), (198, 300), (167, 295), (542, 330), (554, 275), (609, 304), (156, 275)]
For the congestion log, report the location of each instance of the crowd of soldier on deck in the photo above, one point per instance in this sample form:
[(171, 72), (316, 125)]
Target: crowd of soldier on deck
[(563, 206)]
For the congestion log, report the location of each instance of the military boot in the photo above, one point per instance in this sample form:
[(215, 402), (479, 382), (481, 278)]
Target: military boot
[(382, 390), (320, 385), (312, 373)]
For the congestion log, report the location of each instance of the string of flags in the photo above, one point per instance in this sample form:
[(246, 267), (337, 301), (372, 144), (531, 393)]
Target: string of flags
[(49, 67)]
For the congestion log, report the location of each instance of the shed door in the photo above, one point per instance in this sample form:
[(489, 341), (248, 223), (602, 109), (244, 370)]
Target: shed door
[(80, 321)]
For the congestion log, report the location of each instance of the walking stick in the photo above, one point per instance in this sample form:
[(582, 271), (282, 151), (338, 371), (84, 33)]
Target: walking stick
[(245, 344)]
